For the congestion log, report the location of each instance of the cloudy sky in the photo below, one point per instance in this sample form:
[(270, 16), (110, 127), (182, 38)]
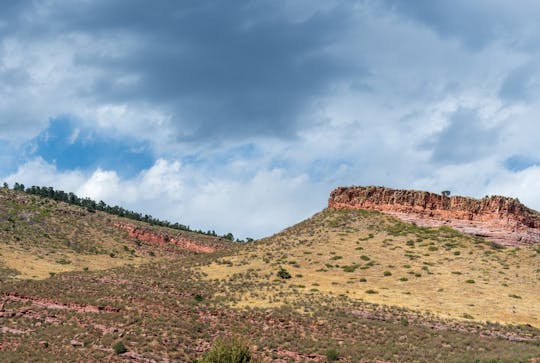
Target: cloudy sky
[(241, 116)]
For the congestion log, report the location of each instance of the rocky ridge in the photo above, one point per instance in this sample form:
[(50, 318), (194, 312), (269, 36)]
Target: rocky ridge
[(499, 219), (164, 239)]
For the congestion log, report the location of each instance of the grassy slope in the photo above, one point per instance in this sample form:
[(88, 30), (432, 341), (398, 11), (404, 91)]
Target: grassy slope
[(174, 308), (40, 237), (376, 258)]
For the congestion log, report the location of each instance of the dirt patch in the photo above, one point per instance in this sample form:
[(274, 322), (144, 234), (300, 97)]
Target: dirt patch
[(51, 304)]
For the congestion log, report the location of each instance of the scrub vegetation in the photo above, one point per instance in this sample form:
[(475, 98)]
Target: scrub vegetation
[(343, 286)]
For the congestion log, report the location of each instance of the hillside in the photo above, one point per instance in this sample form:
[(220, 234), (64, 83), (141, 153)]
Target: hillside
[(347, 285), (374, 257), (40, 237)]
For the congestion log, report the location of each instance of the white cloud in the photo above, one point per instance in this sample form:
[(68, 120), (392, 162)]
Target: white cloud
[(263, 204), (379, 126)]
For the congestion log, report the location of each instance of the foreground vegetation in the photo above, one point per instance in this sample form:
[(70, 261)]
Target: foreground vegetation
[(336, 287)]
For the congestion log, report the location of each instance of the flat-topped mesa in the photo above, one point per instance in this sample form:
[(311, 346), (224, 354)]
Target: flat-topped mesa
[(500, 219)]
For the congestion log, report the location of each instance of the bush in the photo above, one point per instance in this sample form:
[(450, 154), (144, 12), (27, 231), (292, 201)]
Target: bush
[(284, 274), (228, 351), (332, 355), (119, 348)]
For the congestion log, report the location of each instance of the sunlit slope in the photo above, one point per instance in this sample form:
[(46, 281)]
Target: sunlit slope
[(40, 237), (377, 258)]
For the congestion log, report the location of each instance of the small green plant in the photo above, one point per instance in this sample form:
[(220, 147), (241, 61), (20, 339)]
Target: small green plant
[(470, 281), (350, 268), (284, 274), (332, 355), (370, 291), (387, 273), (119, 347), (229, 350), (404, 321)]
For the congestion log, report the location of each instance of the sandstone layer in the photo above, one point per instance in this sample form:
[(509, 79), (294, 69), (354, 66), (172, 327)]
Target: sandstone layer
[(164, 239), (499, 219)]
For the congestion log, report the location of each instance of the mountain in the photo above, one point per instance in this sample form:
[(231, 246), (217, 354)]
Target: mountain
[(348, 284)]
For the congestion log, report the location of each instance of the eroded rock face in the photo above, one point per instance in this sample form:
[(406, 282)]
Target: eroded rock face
[(163, 239), (499, 219)]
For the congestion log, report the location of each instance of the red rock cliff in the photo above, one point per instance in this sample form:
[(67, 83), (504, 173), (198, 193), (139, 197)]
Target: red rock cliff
[(163, 239), (501, 219)]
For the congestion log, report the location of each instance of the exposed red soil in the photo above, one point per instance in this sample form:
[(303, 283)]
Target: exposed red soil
[(500, 219), (163, 239), (51, 304)]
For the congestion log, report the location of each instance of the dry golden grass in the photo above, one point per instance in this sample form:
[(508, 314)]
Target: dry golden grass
[(32, 266), (436, 270), (40, 237)]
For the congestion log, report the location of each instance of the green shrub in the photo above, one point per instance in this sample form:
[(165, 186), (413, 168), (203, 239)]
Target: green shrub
[(284, 274), (119, 347), (350, 268), (332, 355), (387, 273), (229, 350)]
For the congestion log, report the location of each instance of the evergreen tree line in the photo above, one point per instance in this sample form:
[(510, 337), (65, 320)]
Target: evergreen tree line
[(91, 206)]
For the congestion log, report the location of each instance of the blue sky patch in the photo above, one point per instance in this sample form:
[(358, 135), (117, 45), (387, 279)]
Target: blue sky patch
[(70, 146), (517, 163)]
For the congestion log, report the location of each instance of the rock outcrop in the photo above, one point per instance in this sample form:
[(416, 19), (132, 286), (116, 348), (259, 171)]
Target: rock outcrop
[(500, 219), (164, 239)]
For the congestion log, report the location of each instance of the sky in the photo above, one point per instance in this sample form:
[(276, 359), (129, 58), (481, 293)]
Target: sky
[(241, 116)]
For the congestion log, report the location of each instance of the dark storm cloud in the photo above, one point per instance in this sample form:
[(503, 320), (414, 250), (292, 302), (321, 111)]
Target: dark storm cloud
[(475, 23), (219, 68)]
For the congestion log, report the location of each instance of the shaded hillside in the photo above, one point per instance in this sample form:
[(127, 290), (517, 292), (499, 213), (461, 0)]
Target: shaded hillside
[(40, 237)]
